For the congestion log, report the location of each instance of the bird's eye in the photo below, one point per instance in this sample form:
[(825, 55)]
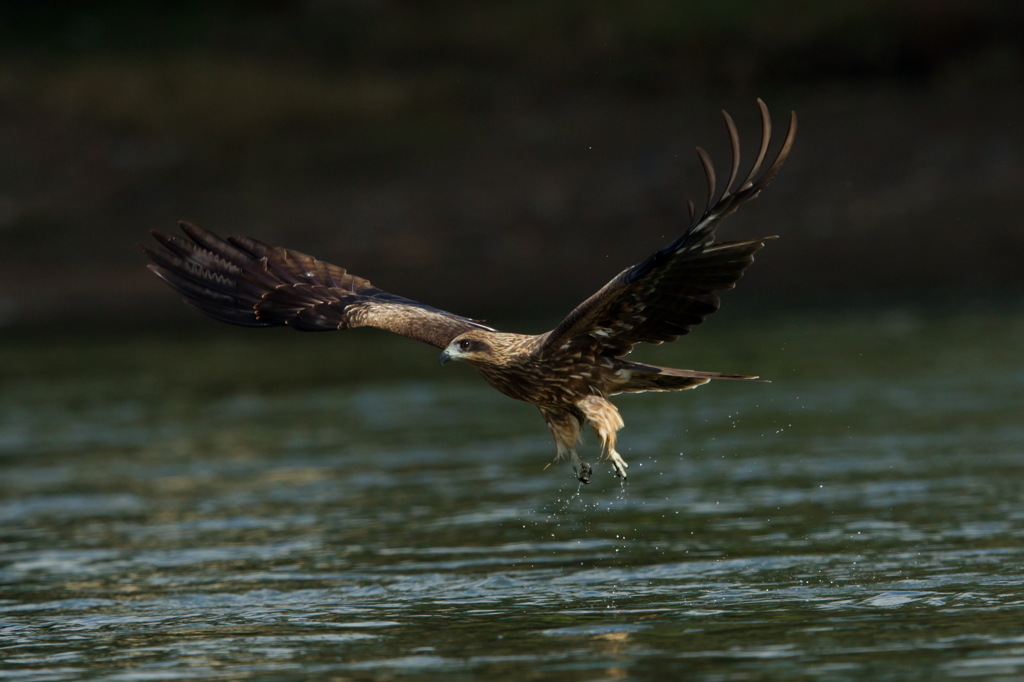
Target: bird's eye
[(465, 344)]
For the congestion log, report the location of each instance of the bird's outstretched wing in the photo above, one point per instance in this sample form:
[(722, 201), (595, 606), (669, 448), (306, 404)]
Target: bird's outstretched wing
[(246, 282), (660, 298)]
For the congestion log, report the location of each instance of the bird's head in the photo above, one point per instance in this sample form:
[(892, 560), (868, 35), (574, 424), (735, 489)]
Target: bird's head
[(475, 347)]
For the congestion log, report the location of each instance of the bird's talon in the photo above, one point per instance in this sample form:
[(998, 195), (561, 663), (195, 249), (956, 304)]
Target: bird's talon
[(619, 465), (584, 473)]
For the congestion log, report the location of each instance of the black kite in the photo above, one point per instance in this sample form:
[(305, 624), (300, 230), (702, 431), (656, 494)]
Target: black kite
[(568, 372)]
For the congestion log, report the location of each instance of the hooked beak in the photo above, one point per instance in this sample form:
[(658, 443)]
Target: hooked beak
[(444, 357)]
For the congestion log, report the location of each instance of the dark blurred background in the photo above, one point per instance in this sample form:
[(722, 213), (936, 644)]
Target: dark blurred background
[(504, 158)]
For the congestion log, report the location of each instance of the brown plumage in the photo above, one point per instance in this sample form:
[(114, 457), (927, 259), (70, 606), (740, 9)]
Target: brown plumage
[(568, 372)]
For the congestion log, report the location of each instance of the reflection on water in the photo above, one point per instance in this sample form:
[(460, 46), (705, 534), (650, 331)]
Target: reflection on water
[(196, 506)]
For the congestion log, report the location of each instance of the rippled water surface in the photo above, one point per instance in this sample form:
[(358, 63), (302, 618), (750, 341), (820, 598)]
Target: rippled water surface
[(218, 503)]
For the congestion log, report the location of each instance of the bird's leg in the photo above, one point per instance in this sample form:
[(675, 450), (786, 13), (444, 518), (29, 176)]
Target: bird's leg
[(579, 467), (565, 429), (606, 421), (619, 465)]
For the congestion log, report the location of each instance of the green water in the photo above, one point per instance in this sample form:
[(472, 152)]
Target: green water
[(237, 504)]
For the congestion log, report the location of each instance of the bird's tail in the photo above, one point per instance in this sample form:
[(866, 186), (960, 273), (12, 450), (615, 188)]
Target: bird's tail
[(639, 377)]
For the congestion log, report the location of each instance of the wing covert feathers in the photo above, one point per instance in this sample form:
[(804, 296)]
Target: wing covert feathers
[(660, 298), (242, 281)]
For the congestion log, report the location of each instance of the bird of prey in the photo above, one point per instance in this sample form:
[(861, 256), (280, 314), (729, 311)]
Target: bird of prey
[(568, 372)]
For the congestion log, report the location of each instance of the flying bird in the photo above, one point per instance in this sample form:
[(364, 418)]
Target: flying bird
[(568, 372)]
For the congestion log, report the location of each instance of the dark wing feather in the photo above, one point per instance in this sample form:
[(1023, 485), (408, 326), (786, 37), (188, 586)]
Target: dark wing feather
[(660, 298), (246, 282)]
